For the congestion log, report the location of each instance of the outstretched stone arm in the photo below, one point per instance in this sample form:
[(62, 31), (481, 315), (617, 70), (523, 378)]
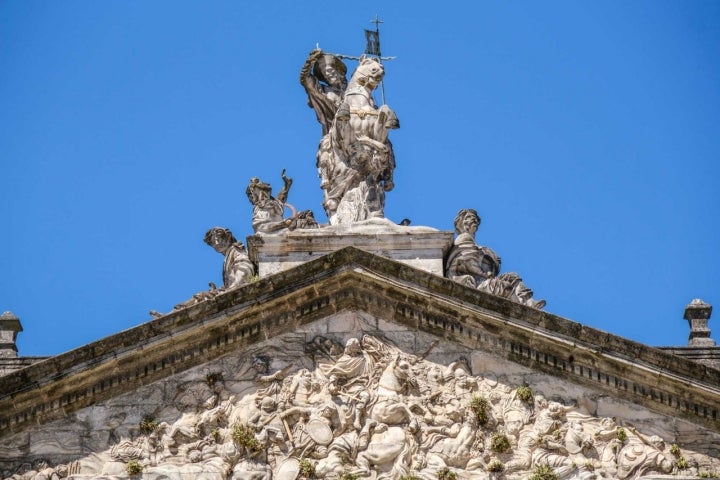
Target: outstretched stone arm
[(287, 183), (307, 79), (324, 99), (277, 375), (296, 410)]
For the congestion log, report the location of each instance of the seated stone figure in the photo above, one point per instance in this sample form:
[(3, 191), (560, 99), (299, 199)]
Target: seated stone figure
[(237, 267), (268, 210), (479, 267), (468, 262)]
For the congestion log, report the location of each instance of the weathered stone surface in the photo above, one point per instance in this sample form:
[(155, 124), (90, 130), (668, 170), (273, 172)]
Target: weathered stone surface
[(701, 348), (709, 356), (11, 364), (381, 384), (419, 247), (697, 313), (354, 279), (223, 355), (51, 442), (355, 159), (9, 328)]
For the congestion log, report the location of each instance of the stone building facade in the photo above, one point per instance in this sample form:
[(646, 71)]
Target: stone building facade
[(361, 349), (322, 365)]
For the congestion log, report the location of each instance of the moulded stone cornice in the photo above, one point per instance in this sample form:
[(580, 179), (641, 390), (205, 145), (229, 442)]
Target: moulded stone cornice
[(351, 279)]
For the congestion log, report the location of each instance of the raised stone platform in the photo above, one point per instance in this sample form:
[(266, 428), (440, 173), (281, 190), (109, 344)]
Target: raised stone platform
[(420, 247)]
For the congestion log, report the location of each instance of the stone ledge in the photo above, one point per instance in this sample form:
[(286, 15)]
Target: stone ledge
[(709, 356), (9, 365), (419, 247), (351, 279)]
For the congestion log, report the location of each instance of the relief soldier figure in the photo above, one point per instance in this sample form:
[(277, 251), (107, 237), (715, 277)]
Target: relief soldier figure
[(267, 438)]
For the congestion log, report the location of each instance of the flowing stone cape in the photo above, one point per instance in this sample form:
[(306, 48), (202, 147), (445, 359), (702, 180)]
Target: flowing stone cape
[(462, 382)]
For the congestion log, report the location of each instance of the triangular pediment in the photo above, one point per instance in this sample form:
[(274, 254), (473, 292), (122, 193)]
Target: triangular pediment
[(349, 294)]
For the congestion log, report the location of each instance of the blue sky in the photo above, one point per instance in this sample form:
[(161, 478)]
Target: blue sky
[(586, 134)]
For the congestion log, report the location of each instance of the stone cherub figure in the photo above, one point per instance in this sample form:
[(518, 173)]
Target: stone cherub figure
[(268, 210), (479, 267)]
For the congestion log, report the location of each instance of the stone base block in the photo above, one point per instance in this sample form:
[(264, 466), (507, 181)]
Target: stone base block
[(419, 247)]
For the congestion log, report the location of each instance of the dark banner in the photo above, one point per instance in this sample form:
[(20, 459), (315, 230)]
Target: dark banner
[(373, 42)]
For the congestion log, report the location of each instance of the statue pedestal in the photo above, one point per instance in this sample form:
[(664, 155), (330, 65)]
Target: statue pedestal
[(419, 247)]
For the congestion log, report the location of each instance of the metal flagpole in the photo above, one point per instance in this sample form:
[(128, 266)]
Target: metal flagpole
[(372, 47)]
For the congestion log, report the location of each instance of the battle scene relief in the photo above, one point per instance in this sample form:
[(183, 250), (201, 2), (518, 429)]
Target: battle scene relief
[(353, 405)]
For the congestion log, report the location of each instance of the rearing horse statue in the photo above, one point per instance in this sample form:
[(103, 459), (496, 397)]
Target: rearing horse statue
[(358, 117), (355, 159)]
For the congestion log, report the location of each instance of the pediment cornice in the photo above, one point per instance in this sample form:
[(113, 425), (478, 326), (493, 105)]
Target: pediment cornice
[(351, 279)]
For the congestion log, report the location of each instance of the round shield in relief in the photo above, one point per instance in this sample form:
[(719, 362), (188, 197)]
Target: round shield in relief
[(288, 469), (319, 431)]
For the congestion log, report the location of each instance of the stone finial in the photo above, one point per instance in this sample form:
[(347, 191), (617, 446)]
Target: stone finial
[(697, 313), (9, 328)]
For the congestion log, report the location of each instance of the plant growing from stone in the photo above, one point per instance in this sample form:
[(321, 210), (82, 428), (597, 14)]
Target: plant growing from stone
[(544, 472), (495, 466), (682, 463), (346, 475), (307, 468), (133, 467), (499, 443), (148, 425), (409, 476), (446, 474), (212, 378), (480, 408), (525, 394), (243, 436), (675, 450), (621, 435), (708, 475)]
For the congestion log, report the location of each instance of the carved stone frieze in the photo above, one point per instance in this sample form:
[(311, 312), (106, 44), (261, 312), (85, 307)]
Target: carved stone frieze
[(318, 404)]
